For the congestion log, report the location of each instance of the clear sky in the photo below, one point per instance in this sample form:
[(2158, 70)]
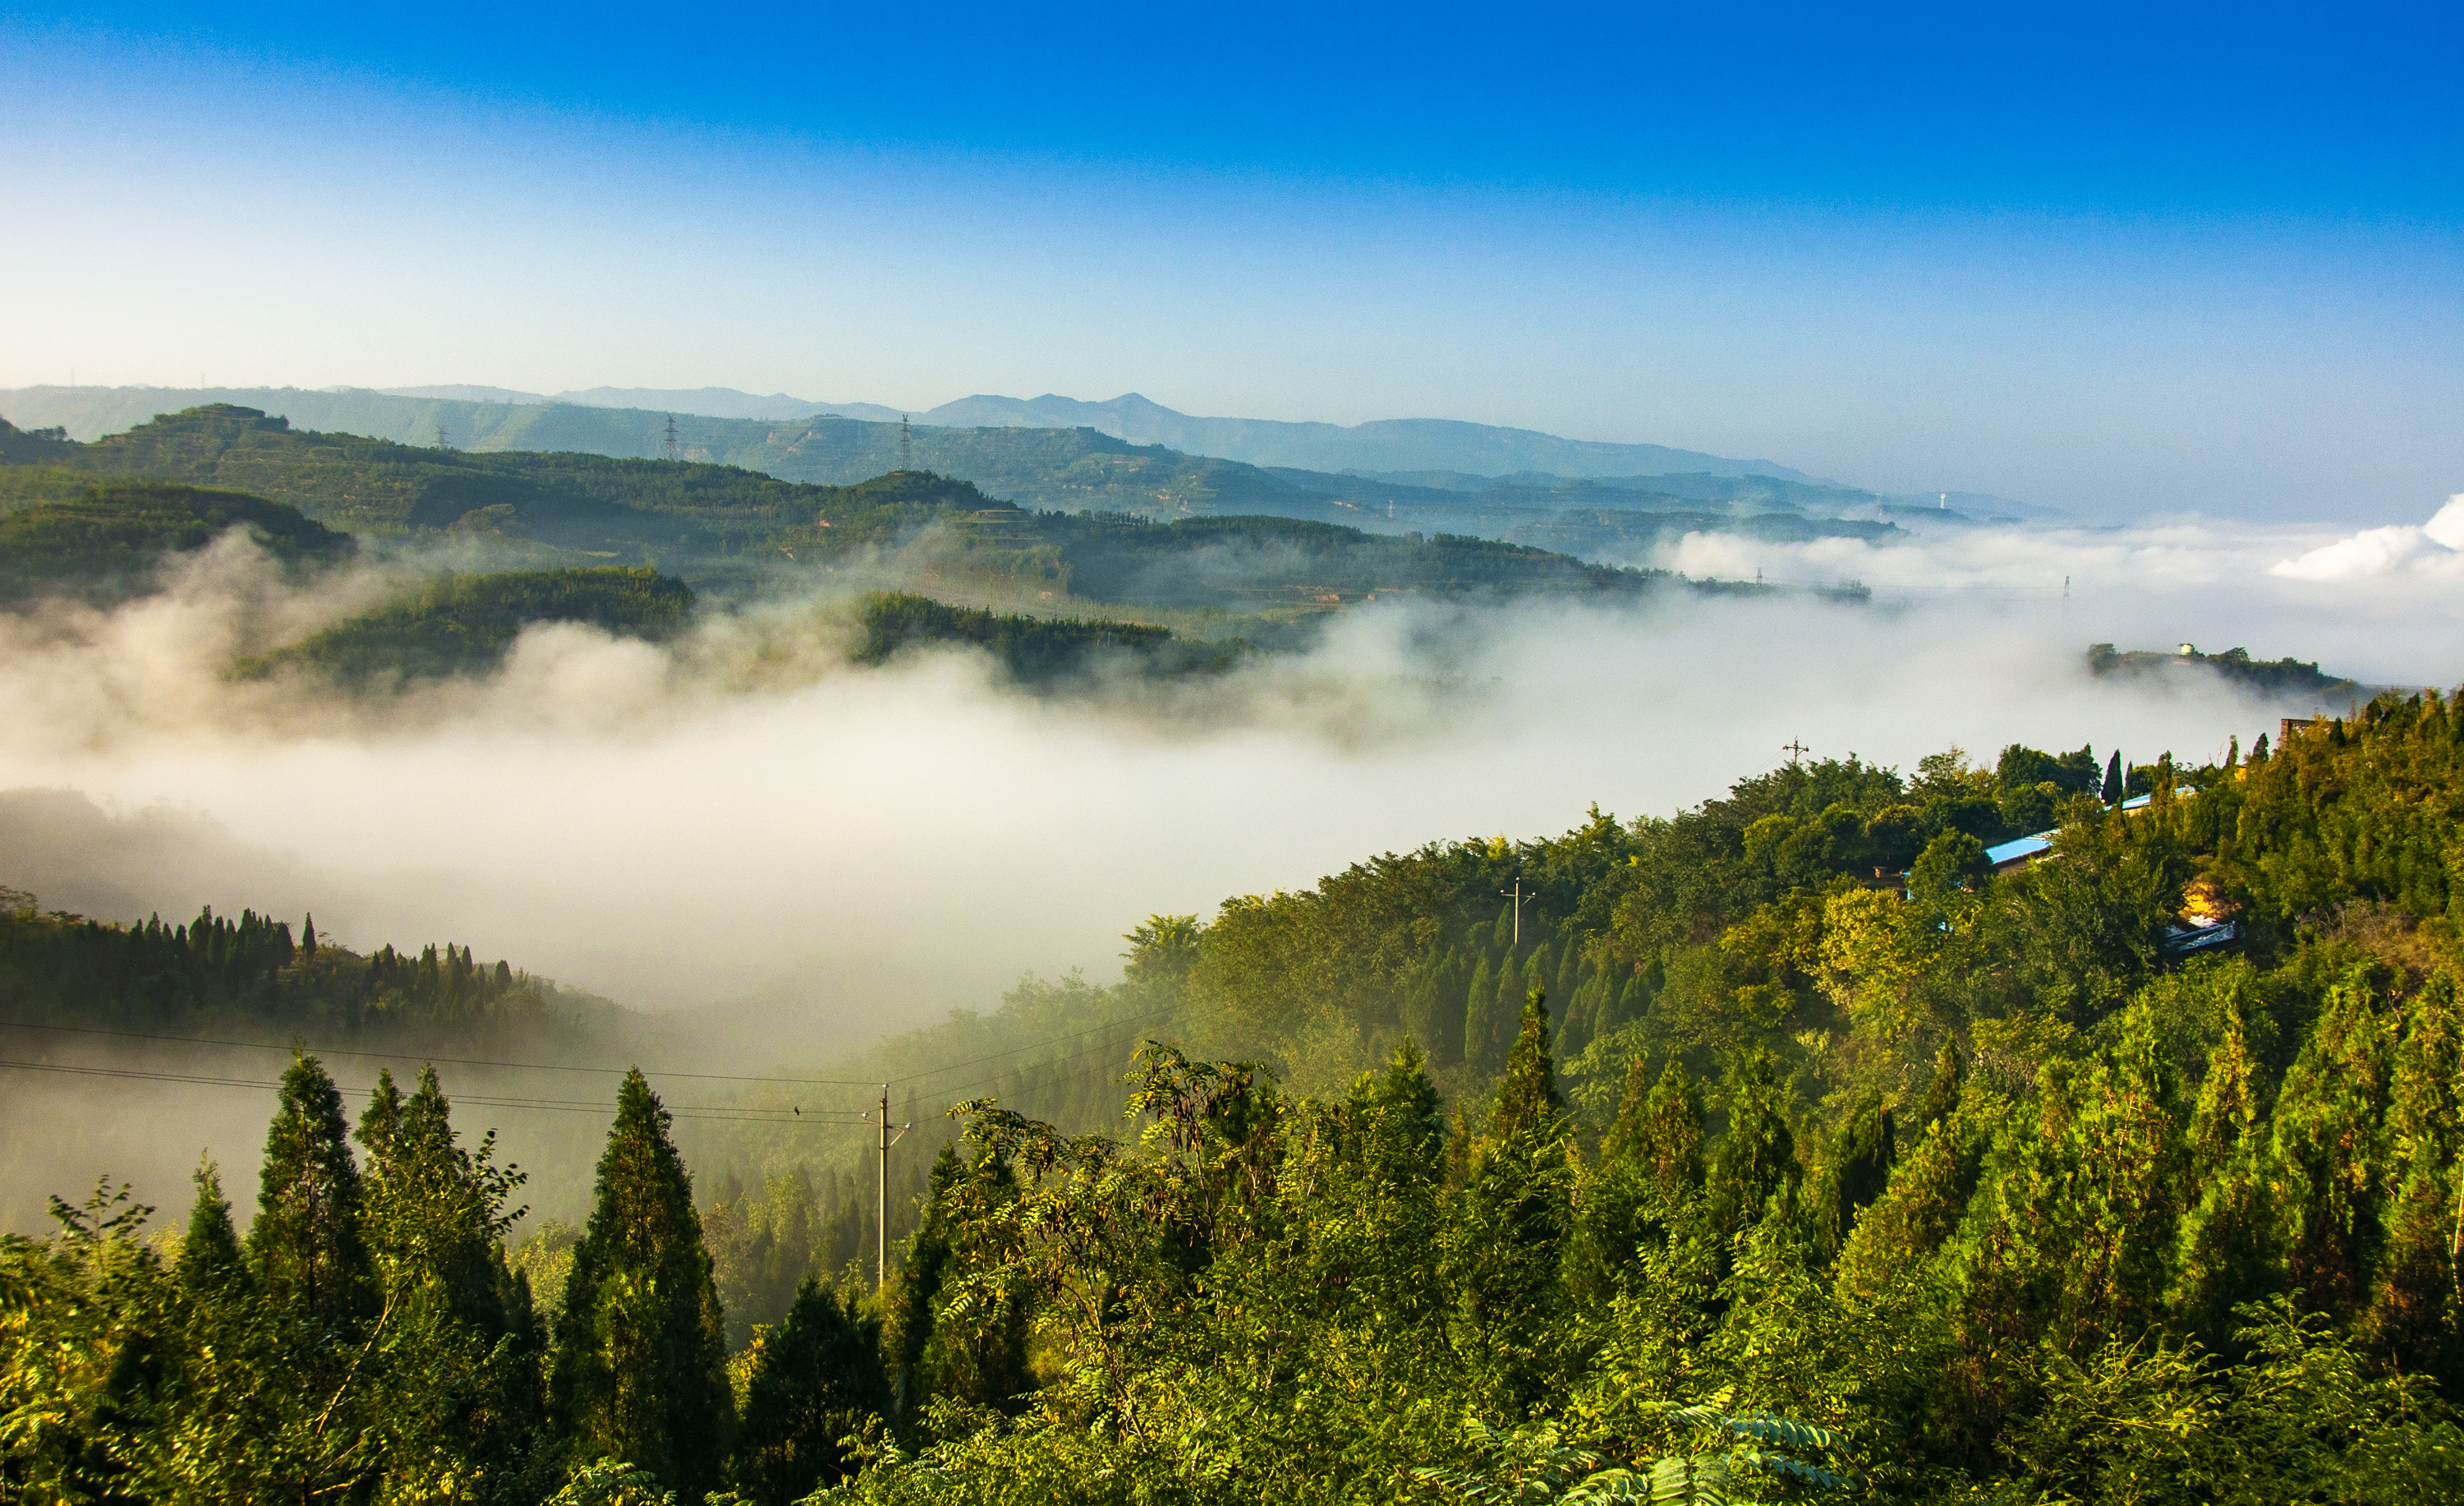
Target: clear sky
[(2113, 260)]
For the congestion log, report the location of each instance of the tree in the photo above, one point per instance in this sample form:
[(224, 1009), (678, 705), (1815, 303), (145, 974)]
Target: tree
[(1510, 1233), (210, 1257), (1858, 1170), (817, 1379), (2112, 790), (1480, 1003), (640, 1371), (306, 1247), (1757, 1160)]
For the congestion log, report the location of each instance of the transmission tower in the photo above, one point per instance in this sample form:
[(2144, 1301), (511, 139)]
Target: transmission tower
[(672, 452), (906, 445)]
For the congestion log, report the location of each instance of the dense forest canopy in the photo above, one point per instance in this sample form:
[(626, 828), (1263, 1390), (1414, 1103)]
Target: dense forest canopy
[(463, 623), (1786, 1148), (65, 537)]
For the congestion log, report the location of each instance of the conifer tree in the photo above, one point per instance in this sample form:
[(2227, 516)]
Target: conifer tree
[(2330, 1151), (1859, 1168), (1539, 976), (1899, 1234), (2230, 1244), (1758, 1159), (816, 1381), (2112, 791), (639, 1369), (1480, 1000), (1624, 1202), (2414, 1315), (1445, 1043), (1942, 1094), (1508, 1244), (209, 1251), (306, 1248)]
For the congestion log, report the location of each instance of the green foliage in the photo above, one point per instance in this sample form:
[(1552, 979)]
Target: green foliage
[(103, 541), (1033, 650), (817, 1379), (640, 1367), (463, 623)]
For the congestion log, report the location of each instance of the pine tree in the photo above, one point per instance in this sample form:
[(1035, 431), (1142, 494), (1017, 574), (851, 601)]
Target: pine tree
[(1942, 1094), (209, 1251), (2412, 1318), (639, 1369), (2230, 1247), (1859, 1168), (1504, 1017), (1539, 976), (1757, 1160), (2330, 1149), (1625, 1202), (817, 1379), (306, 1248), (1508, 1239), (1445, 1043), (1899, 1234), (435, 1221), (1480, 1000)]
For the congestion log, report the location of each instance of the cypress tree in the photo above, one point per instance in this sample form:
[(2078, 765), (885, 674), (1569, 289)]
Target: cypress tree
[(2329, 1143), (1445, 1043), (2229, 1249), (1613, 1218), (816, 1381), (1921, 1206), (2112, 791), (306, 1250), (2413, 1316), (1504, 1017), (1758, 1155), (1859, 1168), (209, 1252), (1479, 1001), (1539, 976), (1508, 1244), (1942, 1094), (640, 1371)]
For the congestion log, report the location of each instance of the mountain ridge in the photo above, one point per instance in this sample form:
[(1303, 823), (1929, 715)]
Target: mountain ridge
[(1379, 445)]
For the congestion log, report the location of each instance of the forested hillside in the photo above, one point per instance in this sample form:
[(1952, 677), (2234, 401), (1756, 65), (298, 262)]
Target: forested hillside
[(61, 535), (1779, 1148), (1061, 468), (463, 623)]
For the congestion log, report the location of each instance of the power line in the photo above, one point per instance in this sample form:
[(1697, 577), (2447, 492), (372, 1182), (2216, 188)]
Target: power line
[(729, 1113), (450, 1061), (1132, 1019)]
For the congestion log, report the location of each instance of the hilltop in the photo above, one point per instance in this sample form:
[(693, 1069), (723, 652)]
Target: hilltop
[(1066, 469)]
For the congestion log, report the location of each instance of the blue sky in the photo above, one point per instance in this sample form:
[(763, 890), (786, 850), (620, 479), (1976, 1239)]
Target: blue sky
[(2206, 261)]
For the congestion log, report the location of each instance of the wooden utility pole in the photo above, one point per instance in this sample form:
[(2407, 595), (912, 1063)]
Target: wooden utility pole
[(1519, 898), (881, 1212)]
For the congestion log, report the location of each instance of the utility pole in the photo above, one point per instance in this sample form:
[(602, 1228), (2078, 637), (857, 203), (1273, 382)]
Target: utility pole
[(1519, 898), (906, 463), (881, 1216), (1794, 748), (671, 437)]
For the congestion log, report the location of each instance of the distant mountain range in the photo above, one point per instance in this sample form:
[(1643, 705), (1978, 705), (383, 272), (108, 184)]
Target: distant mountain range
[(1398, 444), (1412, 464)]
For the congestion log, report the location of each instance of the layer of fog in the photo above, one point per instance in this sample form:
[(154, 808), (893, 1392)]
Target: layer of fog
[(2378, 604), (805, 855)]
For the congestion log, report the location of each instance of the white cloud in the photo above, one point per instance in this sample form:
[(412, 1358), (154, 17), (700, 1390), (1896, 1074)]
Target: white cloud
[(2437, 548)]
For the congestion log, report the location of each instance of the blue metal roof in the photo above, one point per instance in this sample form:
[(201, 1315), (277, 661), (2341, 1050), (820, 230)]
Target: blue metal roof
[(2012, 851)]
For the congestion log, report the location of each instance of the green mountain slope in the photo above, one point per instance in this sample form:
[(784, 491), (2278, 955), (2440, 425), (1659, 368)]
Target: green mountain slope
[(463, 623), (64, 534), (736, 528), (1065, 468)]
